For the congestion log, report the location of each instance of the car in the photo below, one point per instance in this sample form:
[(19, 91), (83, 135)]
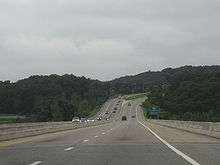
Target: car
[(90, 120), (75, 119), (113, 111), (129, 104), (115, 108), (82, 120), (124, 118), (133, 116), (107, 118), (106, 112)]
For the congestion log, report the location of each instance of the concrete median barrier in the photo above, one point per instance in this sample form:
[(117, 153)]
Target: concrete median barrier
[(206, 128), (20, 130)]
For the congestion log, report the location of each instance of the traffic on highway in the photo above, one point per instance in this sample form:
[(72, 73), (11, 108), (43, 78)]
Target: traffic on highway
[(125, 138)]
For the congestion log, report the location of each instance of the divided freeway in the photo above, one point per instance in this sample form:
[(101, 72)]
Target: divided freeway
[(129, 142)]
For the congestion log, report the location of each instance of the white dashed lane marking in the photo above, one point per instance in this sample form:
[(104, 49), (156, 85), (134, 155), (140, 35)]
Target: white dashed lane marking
[(96, 136), (86, 140), (68, 149), (103, 133), (36, 163)]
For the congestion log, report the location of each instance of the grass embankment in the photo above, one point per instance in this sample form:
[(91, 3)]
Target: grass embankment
[(146, 105), (10, 119), (135, 96), (94, 111)]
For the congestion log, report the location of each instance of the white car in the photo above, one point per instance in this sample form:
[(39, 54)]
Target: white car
[(90, 120), (75, 119)]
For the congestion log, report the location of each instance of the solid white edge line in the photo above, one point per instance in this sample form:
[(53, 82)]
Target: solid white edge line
[(178, 152), (68, 149), (36, 163)]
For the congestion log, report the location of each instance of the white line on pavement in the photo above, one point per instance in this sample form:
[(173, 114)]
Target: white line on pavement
[(178, 152), (96, 136), (68, 149), (108, 106), (36, 163), (86, 140)]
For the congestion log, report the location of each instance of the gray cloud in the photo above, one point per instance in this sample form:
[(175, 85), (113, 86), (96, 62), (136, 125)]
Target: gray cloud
[(106, 39)]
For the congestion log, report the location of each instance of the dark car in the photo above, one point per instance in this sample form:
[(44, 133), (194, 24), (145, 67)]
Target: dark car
[(129, 104), (124, 118), (133, 116), (113, 111), (115, 108)]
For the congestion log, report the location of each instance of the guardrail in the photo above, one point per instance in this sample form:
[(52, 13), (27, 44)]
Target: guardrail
[(206, 128), (20, 130)]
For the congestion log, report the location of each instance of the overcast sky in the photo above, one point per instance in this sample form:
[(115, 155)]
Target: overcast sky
[(105, 39)]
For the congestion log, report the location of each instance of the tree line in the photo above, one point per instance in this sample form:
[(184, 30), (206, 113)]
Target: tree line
[(188, 93), (52, 98), (189, 96)]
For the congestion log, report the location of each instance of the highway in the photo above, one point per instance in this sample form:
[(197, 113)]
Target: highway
[(129, 142)]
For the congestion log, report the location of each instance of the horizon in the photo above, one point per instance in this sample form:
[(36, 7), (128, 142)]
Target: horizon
[(110, 79)]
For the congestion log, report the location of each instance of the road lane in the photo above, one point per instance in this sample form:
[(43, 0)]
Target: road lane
[(128, 143)]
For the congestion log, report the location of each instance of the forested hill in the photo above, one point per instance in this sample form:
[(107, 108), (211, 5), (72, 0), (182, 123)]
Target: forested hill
[(191, 93), (54, 97), (168, 75), (144, 81)]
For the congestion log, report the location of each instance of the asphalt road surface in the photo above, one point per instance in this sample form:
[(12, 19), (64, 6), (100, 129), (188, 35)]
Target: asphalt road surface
[(131, 142)]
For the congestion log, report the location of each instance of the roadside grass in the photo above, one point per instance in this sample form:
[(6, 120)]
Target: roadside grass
[(94, 111), (4, 119), (136, 96)]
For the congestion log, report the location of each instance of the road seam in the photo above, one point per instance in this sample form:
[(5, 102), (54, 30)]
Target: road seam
[(68, 149), (40, 136), (36, 163), (178, 152)]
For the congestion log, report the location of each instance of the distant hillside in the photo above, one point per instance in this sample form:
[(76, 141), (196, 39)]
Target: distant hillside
[(144, 81), (167, 75), (46, 98), (54, 97), (193, 93)]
